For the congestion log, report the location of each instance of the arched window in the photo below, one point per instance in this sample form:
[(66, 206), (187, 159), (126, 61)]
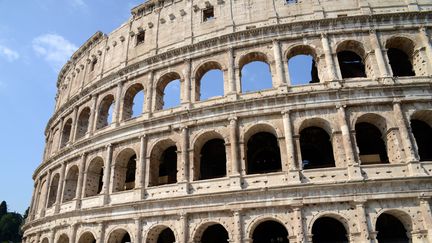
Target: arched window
[(370, 143), (106, 107), (328, 229), (87, 237), (209, 81), (166, 236), (119, 236), (45, 240), (390, 230), (270, 232), (124, 171), (94, 181), (83, 123), (215, 234), (71, 182), (133, 101), (400, 54), (168, 91), (53, 190), (423, 136), (213, 159), (351, 56), (41, 198), (255, 73), (316, 148), (263, 154), (63, 239), (163, 164), (302, 65), (66, 133)]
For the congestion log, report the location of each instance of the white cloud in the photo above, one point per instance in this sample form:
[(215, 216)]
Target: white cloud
[(55, 49), (8, 53)]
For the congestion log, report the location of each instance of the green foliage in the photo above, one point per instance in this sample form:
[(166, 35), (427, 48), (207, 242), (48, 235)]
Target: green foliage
[(10, 225), (3, 209)]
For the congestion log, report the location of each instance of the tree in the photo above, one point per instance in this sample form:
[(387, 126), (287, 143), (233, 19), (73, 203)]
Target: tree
[(3, 209), (10, 225)]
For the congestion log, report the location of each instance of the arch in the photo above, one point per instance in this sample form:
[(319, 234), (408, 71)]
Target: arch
[(66, 132), (63, 239), (163, 163), (83, 123), (209, 156), (262, 150), (316, 147), (329, 229), (105, 106), (161, 234), (400, 52), (94, 177), (251, 65), (302, 65), (129, 101), (87, 237), (421, 127), (41, 197), (53, 190), (119, 236), (71, 182), (124, 170), (393, 226), (209, 80), (369, 139), (161, 85), (45, 240), (351, 58), (211, 232), (269, 231)]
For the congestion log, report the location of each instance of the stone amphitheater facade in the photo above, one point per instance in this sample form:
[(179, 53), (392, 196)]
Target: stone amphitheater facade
[(345, 158)]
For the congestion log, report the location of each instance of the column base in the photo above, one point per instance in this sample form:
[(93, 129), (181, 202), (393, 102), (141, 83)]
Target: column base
[(354, 173), (293, 177), (415, 168), (236, 182)]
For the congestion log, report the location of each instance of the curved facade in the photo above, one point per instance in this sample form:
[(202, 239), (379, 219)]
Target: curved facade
[(345, 157)]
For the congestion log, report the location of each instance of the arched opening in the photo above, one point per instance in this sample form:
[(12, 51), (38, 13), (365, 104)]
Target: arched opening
[(105, 113), (213, 159), (163, 164), (270, 232), (209, 81), (83, 123), (87, 237), (326, 229), (45, 240), (400, 54), (71, 182), (168, 91), (351, 65), (215, 234), (255, 73), (390, 230), (41, 198), (133, 101), (302, 65), (166, 236), (94, 181), (423, 135), (370, 143), (124, 171), (119, 236), (53, 190), (63, 239), (263, 154), (316, 148), (67, 128)]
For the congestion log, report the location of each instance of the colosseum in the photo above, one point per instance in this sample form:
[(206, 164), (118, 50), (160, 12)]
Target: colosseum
[(344, 157)]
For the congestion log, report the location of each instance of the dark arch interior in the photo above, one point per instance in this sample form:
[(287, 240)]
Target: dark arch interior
[(370, 143), (215, 234), (390, 230), (83, 123), (126, 238), (94, 181), (270, 232), (351, 65), (168, 166), (423, 136), (316, 148), (263, 154), (328, 230), (166, 236), (130, 173), (213, 159), (66, 133), (400, 63)]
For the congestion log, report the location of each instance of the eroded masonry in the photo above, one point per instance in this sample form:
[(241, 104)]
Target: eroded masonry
[(345, 156)]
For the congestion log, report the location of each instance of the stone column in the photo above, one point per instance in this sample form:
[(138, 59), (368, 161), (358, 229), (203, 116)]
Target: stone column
[(238, 229), (117, 105), (363, 225), (59, 142), (376, 45), (182, 173), (101, 233), (425, 209), (232, 80), (73, 233), (149, 94), (291, 166), (184, 225), (52, 235), (93, 113), (138, 234), (280, 75), (107, 174), (32, 203), (47, 191), (59, 198), (328, 57), (428, 47), (142, 165), (298, 220), (79, 191), (235, 168), (186, 87), (74, 125), (353, 167)]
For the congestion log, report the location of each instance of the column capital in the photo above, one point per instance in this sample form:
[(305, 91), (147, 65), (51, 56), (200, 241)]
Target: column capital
[(372, 31), (108, 146), (142, 136), (232, 119), (423, 29), (286, 112)]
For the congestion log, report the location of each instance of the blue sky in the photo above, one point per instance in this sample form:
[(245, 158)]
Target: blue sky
[(36, 38)]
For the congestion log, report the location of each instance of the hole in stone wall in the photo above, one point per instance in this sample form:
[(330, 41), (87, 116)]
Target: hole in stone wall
[(83, 123), (423, 136), (94, 181), (215, 234), (133, 101), (400, 63), (390, 230), (212, 84), (172, 95), (302, 70), (166, 236), (124, 171), (351, 65), (140, 37), (208, 14), (370, 143), (53, 190), (256, 76), (316, 148), (87, 238), (168, 166), (270, 232), (67, 129), (63, 239), (71, 182), (327, 229), (130, 173), (105, 114), (213, 159), (263, 154)]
